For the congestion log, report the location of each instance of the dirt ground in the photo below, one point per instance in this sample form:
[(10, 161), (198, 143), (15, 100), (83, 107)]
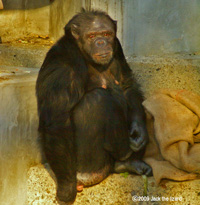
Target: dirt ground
[(116, 189)]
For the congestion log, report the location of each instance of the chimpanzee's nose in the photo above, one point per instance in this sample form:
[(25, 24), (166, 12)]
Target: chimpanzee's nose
[(100, 43)]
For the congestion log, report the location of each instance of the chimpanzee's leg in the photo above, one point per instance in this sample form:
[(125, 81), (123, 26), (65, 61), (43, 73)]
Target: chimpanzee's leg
[(61, 156), (101, 134)]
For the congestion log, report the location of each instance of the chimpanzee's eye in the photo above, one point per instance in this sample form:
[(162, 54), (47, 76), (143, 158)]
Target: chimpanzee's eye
[(91, 36), (107, 34)]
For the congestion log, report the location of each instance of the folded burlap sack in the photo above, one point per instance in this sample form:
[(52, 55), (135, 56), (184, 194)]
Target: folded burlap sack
[(174, 127)]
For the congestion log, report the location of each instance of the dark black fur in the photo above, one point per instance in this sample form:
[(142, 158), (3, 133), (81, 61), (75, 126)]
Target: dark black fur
[(83, 127)]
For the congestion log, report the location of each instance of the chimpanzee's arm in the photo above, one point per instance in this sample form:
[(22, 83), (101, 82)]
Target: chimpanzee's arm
[(134, 98), (60, 86)]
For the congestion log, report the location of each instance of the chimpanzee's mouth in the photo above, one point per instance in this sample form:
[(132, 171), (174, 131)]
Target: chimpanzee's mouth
[(103, 58), (103, 55)]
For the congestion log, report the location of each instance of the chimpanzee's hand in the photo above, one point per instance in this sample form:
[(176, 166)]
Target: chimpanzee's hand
[(139, 135)]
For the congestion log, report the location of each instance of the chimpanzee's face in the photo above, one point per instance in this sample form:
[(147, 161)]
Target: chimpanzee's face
[(96, 40)]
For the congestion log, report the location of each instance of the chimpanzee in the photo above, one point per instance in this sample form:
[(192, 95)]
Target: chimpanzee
[(91, 120)]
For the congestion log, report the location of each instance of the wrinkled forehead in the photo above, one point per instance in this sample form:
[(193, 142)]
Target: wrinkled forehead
[(99, 24)]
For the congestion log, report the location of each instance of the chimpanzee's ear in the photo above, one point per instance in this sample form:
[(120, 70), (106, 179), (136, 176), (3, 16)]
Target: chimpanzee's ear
[(74, 31), (115, 24)]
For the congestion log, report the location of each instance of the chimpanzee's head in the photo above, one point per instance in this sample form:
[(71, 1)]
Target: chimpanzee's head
[(95, 34)]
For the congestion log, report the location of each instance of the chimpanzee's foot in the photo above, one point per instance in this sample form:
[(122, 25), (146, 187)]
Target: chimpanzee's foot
[(63, 203), (133, 166), (66, 193)]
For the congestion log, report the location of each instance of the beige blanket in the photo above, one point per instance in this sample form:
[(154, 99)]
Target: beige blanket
[(174, 128)]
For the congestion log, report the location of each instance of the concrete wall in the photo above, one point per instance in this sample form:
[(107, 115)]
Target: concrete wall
[(144, 27), (24, 4), (166, 27), (18, 133), (61, 11), (15, 22)]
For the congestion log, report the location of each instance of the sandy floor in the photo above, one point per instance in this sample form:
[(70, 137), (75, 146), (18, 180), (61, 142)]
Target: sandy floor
[(116, 189)]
